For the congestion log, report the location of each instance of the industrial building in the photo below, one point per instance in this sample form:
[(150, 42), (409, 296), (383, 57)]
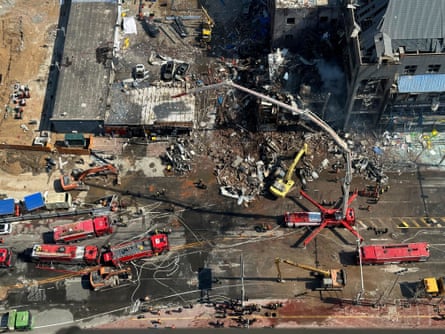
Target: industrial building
[(83, 77), (393, 54), (89, 98), (395, 64)]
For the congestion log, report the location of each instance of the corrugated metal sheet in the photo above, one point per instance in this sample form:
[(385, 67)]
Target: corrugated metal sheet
[(415, 19), (7, 206), (34, 201), (425, 83)]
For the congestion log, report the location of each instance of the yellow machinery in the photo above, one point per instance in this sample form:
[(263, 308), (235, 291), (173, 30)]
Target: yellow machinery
[(207, 26), (281, 187), (331, 279), (433, 287)]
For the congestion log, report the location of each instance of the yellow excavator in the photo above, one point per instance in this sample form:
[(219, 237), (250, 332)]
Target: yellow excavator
[(330, 279), (207, 26), (281, 187)]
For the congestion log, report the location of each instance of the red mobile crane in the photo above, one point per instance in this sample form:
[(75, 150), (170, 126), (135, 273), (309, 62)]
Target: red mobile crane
[(328, 217), (95, 227), (137, 249)]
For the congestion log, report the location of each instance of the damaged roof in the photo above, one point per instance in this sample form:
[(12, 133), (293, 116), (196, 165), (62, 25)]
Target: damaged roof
[(151, 106), (83, 81), (300, 3), (414, 19)]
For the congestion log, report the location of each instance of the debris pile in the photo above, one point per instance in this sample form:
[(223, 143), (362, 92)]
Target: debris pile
[(178, 156), (247, 163)]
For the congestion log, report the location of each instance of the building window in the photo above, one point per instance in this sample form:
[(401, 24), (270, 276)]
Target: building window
[(433, 68), (410, 69), (290, 20)]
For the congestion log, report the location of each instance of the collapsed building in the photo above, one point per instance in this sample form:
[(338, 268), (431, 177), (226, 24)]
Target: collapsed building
[(392, 51)]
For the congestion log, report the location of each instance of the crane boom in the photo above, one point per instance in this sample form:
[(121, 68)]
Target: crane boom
[(325, 273), (330, 280), (300, 112)]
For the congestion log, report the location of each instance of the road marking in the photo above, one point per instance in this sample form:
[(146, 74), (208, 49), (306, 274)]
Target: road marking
[(361, 223), (415, 223), (423, 220), (403, 224)]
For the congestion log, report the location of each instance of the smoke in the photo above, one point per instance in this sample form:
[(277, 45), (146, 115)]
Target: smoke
[(332, 77)]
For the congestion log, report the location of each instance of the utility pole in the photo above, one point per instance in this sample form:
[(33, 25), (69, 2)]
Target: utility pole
[(243, 293), (362, 287)]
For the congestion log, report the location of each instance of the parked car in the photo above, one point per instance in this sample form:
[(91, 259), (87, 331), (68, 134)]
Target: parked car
[(181, 70), (168, 70), (151, 29), (5, 228)]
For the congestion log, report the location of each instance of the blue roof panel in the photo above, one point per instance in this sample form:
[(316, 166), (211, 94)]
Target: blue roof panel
[(425, 83), (7, 206), (34, 201)]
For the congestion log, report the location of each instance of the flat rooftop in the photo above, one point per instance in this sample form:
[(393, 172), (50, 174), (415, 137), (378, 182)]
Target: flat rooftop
[(150, 106), (300, 3), (83, 81)]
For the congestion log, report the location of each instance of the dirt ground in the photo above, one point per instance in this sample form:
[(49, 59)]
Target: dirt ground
[(25, 58), (27, 32)]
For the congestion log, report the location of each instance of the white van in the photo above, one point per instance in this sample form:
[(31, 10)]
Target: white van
[(57, 201)]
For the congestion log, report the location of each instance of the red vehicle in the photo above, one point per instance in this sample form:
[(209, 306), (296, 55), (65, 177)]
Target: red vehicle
[(395, 253), (5, 257), (327, 217), (85, 229), (137, 249), (298, 219), (89, 255)]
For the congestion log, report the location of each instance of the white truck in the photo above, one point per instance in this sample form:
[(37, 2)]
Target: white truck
[(58, 201)]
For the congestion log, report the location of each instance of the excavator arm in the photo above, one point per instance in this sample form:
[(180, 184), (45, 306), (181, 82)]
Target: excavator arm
[(281, 187), (109, 168), (68, 183), (291, 169)]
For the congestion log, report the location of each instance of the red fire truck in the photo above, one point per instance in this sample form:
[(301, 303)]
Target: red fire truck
[(49, 253), (394, 253), (137, 249), (85, 229), (5, 257)]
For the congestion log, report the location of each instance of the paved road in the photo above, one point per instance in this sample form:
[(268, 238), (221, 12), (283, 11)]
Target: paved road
[(226, 231)]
